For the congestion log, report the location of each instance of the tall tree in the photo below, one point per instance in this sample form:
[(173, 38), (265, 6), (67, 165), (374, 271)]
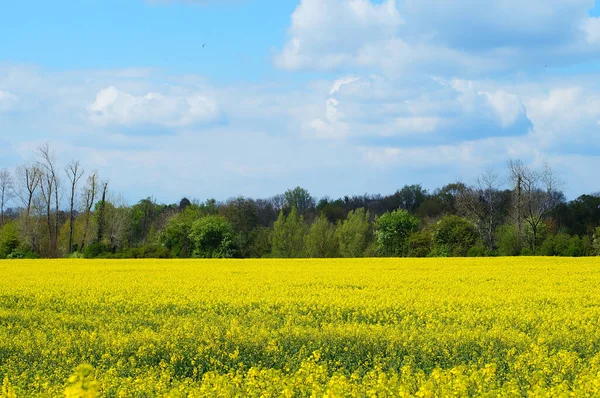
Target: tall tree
[(288, 235), (50, 190), (90, 192), (393, 231), (102, 214), (321, 240), (28, 180), (482, 205), (6, 190), (242, 213), (536, 194), (518, 172), (300, 199), (74, 174), (355, 234)]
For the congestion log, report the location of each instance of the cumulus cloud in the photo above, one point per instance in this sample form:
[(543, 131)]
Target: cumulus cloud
[(465, 36), (371, 109), (327, 34), (113, 106)]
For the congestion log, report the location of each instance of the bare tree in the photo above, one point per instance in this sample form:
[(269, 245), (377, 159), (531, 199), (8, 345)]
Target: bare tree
[(117, 221), (89, 198), (27, 181), (536, 194), (6, 190), (74, 174), (50, 190), (481, 204), (46, 188), (517, 172)]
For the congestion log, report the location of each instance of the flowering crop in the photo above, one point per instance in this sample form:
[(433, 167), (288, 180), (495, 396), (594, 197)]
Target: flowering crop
[(295, 328)]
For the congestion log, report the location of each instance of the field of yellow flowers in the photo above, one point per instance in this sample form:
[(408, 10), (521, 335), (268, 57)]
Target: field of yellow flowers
[(335, 328)]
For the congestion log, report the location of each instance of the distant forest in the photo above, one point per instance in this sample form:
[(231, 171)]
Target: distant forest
[(53, 212)]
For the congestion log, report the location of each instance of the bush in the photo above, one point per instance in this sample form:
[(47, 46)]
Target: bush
[(21, 254), (96, 250), (212, 237), (393, 231), (420, 244), (453, 237), (147, 251), (9, 239), (564, 245), (477, 251), (507, 240)]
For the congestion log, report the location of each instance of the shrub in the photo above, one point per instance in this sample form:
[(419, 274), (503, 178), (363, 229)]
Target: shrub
[(453, 237), (507, 240), (420, 244), (477, 251), (393, 231), (212, 237)]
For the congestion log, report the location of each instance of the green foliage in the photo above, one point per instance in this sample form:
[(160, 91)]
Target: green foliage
[(477, 251), (96, 250), (9, 239), (596, 242), (143, 216), (393, 231), (212, 237), (507, 240), (300, 199), (420, 243), (534, 240), (176, 234), (260, 243), (453, 237), (242, 213), (564, 245), (355, 234), (75, 255), (321, 241), (287, 239), (147, 251)]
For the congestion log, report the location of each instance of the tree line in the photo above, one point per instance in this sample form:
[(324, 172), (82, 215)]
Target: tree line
[(51, 212)]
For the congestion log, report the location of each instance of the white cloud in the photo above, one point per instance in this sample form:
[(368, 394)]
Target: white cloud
[(462, 36), (326, 34), (113, 106), (417, 124), (339, 83), (8, 101), (591, 27), (415, 127)]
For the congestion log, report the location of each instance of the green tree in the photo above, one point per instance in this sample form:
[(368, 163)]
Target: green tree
[(507, 240), (243, 215), (176, 234), (287, 239), (355, 234), (321, 240), (300, 199), (453, 237), (261, 243), (393, 231), (420, 243), (9, 239), (212, 237)]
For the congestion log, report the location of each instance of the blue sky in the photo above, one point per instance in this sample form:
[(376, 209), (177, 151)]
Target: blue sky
[(338, 96)]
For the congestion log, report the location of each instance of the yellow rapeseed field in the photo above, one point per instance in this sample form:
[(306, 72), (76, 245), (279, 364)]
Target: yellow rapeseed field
[(335, 328)]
